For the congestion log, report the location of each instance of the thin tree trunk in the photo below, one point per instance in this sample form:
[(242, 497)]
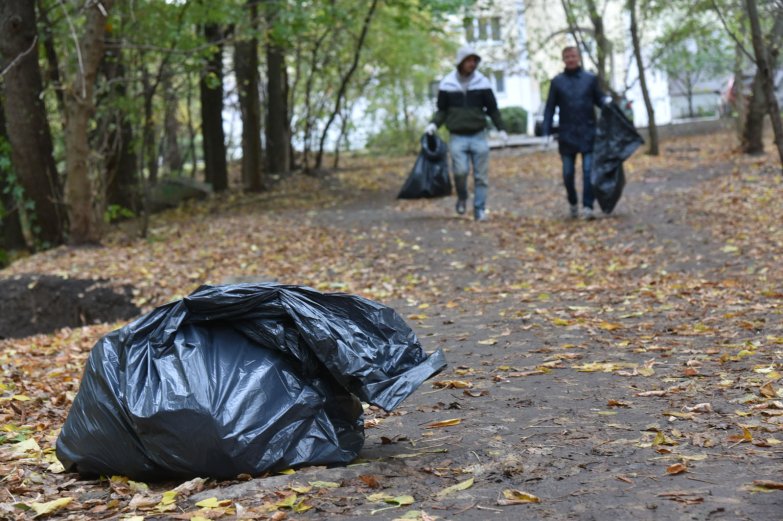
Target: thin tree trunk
[(121, 172), (191, 130), (277, 135), (753, 139), (53, 63), (27, 125), (12, 237), (172, 155), (601, 43), (149, 150), (345, 81), (246, 66), (765, 73), (652, 129), (211, 86), (85, 222)]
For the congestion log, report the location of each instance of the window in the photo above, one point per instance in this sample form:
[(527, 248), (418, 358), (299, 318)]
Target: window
[(500, 82), (483, 29)]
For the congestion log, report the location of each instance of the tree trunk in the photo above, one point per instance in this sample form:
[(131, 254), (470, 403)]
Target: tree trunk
[(149, 149), (277, 133), (765, 74), (345, 81), (172, 156), (246, 66), (753, 138), (85, 218), (27, 126), (601, 43), (12, 237), (211, 87), (121, 173), (637, 51), (53, 63)]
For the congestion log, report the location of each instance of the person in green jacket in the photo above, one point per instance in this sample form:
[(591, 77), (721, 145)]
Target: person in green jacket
[(465, 99)]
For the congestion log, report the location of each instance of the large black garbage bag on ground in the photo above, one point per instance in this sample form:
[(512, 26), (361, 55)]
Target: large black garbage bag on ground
[(616, 139), (243, 378), (430, 174)]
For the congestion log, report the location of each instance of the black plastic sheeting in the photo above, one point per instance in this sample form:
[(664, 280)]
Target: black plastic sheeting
[(616, 139), (243, 378), (430, 174)]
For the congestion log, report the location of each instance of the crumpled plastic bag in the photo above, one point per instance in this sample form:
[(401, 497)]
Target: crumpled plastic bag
[(429, 177), (616, 139), (243, 378)]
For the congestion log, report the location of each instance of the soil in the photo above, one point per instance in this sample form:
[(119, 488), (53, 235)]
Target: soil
[(35, 304)]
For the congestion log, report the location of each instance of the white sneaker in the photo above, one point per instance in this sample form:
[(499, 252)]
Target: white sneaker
[(587, 213), (573, 211)]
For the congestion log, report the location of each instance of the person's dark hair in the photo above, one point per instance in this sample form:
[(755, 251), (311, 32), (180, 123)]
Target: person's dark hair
[(569, 48)]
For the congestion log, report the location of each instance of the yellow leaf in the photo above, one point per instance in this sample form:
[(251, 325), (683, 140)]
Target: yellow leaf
[(661, 439), (43, 509), (198, 518), (300, 489), (560, 322), (773, 441), (301, 507), (324, 484), (213, 502), (608, 326), (444, 423), (25, 447), (287, 502), (21, 398), (729, 248), (454, 488), (488, 342), (452, 384), (517, 497)]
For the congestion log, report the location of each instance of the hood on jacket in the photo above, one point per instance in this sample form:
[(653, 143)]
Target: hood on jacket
[(464, 52)]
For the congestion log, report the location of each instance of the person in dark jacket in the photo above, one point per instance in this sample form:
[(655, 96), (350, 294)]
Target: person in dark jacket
[(465, 99), (575, 91)]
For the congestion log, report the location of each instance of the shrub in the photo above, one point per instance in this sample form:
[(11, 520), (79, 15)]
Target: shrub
[(515, 119)]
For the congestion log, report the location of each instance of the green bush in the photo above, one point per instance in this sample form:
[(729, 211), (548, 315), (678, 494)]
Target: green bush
[(398, 141), (515, 119)]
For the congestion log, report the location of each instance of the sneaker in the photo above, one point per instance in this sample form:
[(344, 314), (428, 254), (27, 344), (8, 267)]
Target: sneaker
[(573, 211), (460, 206), (480, 215), (587, 213)]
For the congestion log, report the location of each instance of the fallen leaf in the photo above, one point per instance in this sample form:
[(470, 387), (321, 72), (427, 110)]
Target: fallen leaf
[(214, 502), (444, 423), (767, 391), (677, 468), (774, 485), (324, 484), (517, 497), (44, 509), (452, 384), (699, 407), (454, 488)]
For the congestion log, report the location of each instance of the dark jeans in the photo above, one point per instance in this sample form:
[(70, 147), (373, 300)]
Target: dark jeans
[(569, 174)]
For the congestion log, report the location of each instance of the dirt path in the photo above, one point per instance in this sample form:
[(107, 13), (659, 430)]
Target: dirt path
[(584, 344)]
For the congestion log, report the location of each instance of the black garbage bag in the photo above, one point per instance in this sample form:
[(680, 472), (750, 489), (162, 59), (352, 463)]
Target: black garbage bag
[(430, 175), (616, 139), (243, 378)]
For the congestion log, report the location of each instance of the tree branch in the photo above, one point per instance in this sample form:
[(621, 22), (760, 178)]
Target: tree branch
[(19, 57)]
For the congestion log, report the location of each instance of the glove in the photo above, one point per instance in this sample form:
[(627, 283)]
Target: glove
[(431, 128), (606, 101), (503, 135)]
